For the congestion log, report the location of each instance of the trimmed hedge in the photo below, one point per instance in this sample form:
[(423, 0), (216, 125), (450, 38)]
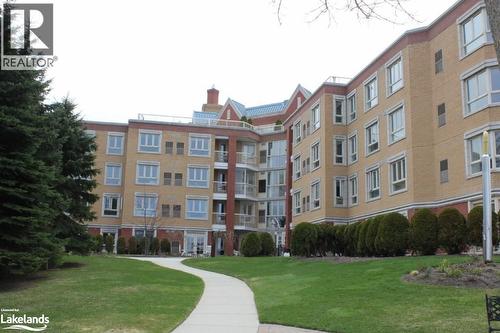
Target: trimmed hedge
[(132, 245), (121, 246), (392, 236), (304, 239), (338, 243), (98, 244), (155, 246), (109, 243), (475, 227), (362, 249), (452, 231), (350, 239), (267, 245), (250, 245), (424, 232), (371, 235), (165, 246)]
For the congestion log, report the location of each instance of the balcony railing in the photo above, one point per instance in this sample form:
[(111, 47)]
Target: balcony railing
[(220, 156), (276, 161), (219, 218), (248, 190), (220, 187), (243, 220), (245, 158)]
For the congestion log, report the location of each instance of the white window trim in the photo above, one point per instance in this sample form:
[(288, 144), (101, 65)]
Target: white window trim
[(335, 194), (373, 76), (147, 163), (196, 197), (207, 167), (119, 206), (295, 137), (366, 126), (299, 191), (314, 182), (468, 170), (195, 135), (146, 194), (311, 169), (367, 170), (351, 94), (294, 167), (394, 59), (479, 6), (344, 108), (344, 149), (349, 194), (106, 173), (142, 131), (388, 114), (123, 143), (312, 129), (353, 134), (391, 160)]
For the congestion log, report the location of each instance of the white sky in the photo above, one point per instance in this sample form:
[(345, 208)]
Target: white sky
[(121, 58)]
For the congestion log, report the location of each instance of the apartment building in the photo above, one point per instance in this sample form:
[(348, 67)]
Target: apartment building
[(404, 133)]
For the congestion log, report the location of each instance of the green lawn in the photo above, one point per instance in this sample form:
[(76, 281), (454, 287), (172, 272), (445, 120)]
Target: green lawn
[(356, 297), (106, 294)]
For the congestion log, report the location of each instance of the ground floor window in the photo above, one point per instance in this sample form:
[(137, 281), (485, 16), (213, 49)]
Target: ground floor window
[(195, 242)]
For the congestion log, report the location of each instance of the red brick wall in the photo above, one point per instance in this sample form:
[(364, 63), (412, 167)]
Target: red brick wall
[(125, 232), (94, 231), (461, 206)]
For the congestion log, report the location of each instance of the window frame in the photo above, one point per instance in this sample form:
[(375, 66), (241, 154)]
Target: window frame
[(341, 99), (350, 193), (441, 118), (366, 83), (350, 153), (151, 132), (315, 183), (468, 155), (315, 125), (351, 96), (477, 10), (438, 63), (390, 130), (398, 58), (197, 167), (297, 174), (368, 189), (404, 172), (118, 204), (122, 147), (487, 66), (297, 210), (194, 136), (342, 180), (367, 126), (106, 176), (313, 145), (187, 211), (145, 195), (444, 178), (297, 138), (343, 156), (147, 163)]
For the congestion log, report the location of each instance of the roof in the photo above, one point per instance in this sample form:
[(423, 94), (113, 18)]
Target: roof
[(261, 110)]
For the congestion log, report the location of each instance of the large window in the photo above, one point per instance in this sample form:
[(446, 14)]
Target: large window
[(315, 195), (276, 184), (372, 138), (148, 173), (482, 89), (398, 175), (297, 133), (475, 32), (441, 111), (113, 174), (115, 144), (110, 204), (340, 192), (199, 145), (353, 148), (297, 208), (394, 76), (443, 171), (438, 61), (353, 190), (351, 107), (296, 167), (373, 184), (149, 142), (396, 125), (339, 111), (145, 204), (339, 150), (315, 155), (276, 154), (198, 176), (197, 208), (315, 117), (474, 148), (371, 94)]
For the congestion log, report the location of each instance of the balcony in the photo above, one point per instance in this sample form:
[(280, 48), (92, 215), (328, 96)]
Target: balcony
[(220, 190), (245, 190), (245, 158), (243, 221), (276, 191), (219, 221), (220, 156)]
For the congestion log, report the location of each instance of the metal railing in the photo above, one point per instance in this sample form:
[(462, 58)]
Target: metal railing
[(219, 218), (248, 190), (220, 187), (220, 156), (246, 221), (245, 158)]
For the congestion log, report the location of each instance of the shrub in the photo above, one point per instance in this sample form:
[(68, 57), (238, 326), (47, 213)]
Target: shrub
[(338, 239), (452, 231), (141, 245), (392, 237), (371, 235), (98, 243), (155, 246), (361, 248), (326, 238), (165, 246), (475, 227), (109, 243), (304, 239), (424, 232), (121, 246), (250, 245), (132, 245), (350, 239), (267, 246)]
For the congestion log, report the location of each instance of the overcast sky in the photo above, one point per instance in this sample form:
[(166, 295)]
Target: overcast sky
[(120, 58)]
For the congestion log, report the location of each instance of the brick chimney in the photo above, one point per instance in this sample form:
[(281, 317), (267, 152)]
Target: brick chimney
[(212, 104)]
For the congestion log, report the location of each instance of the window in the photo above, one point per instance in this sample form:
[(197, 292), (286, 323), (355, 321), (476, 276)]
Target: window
[(180, 148), (353, 148), (113, 174), (315, 155), (441, 115), (262, 156), (396, 125), (262, 186), (339, 154), (178, 179), (475, 32), (197, 208), (443, 171), (115, 144), (165, 210), (371, 94), (398, 175), (197, 176), (276, 154), (373, 184), (145, 204), (340, 192), (147, 173), (315, 195), (110, 204), (199, 145), (296, 132), (438, 62), (296, 167), (306, 165), (351, 108), (394, 76), (276, 184), (481, 89), (353, 191), (149, 142), (308, 128), (177, 211), (339, 111), (315, 117), (474, 147), (167, 178), (306, 203), (372, 138), (297, 208), (169, 147), (497, 149)]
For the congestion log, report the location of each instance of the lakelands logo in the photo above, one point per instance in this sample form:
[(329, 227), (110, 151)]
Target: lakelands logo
[(11, 320), (27, 32)]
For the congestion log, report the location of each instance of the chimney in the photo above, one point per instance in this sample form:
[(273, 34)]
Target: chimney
[(212, 96)]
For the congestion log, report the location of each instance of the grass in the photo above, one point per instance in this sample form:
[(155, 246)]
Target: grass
[(106, 294), (356, 297)]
